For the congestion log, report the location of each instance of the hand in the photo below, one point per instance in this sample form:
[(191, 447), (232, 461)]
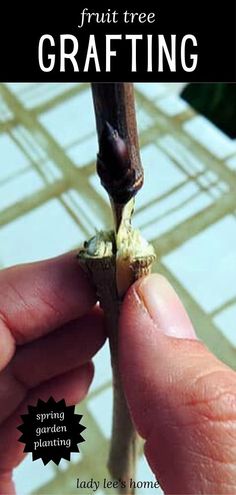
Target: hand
[(49, 332), (182, 399)]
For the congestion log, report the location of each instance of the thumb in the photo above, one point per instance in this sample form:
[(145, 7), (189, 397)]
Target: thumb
[(182, 399)]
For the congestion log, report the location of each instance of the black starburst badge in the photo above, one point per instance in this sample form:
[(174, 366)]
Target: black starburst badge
[(51, 431)]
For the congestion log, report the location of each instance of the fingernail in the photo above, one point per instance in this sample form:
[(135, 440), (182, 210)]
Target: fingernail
[(165, 307)]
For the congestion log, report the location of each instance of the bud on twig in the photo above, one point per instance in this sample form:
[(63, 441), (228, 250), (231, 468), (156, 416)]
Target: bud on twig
[(117, 173)]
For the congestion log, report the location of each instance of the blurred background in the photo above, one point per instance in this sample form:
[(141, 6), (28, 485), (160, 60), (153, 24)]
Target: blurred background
[(51, 201)]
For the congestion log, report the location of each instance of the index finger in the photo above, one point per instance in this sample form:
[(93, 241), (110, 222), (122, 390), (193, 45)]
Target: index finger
[(36, 298)]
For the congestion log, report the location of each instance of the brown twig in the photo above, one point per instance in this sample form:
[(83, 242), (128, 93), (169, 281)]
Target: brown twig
[(114, 106), (118, 165), (121, 174)]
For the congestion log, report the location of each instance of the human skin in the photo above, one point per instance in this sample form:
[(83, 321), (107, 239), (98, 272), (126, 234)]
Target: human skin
[(49, 331), (182, 399)]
